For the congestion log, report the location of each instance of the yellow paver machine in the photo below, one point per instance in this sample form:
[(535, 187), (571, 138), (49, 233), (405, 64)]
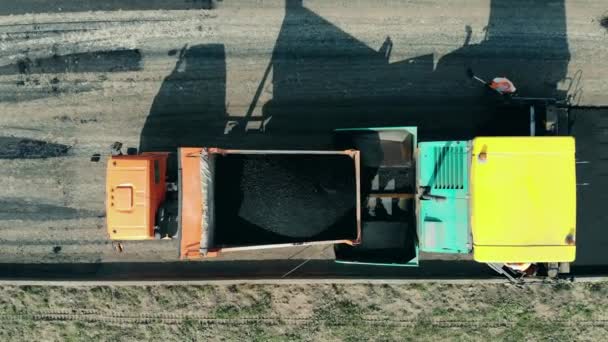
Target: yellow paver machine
[(506, 200)]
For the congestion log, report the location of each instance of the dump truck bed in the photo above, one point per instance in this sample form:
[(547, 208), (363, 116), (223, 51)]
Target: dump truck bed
[(247, 199)]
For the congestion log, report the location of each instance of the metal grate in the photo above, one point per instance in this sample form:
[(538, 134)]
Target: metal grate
[(450, 162)]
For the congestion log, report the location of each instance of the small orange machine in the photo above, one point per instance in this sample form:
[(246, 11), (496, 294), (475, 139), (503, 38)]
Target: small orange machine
[(215, 211)]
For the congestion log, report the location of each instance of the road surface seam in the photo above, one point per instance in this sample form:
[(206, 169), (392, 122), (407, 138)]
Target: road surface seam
[(294, 281)]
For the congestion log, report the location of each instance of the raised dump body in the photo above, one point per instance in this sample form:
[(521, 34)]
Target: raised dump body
[(244, 199)]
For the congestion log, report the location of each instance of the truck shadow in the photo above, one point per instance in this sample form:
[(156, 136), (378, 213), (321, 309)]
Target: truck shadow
[(332, 80), (190, 107)]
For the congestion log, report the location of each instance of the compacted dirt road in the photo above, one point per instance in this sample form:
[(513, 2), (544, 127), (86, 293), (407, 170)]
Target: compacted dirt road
[(74, 78)]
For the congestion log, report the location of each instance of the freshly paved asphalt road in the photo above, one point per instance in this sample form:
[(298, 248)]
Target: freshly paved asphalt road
[(158, 74)]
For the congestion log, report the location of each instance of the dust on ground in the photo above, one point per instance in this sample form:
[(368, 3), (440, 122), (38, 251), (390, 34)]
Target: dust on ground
[(561, 311)]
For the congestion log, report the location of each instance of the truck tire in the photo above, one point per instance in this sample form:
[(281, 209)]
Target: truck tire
[(166, 219), (160, 219), (552, 269)]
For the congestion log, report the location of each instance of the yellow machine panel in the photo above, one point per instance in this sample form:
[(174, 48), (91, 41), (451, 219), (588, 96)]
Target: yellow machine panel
[(523, 199)]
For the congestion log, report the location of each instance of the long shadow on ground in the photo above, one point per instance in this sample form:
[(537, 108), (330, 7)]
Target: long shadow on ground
[(330, 80)]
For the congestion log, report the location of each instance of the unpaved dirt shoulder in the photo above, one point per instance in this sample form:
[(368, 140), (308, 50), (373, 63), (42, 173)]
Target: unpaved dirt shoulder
[(306, 312)]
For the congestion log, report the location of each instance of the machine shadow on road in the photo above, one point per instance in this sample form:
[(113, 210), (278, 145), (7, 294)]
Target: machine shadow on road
[(190, 107), (332, 80)]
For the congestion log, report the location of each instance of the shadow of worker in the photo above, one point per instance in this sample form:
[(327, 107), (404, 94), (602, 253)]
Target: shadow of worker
[(190, 107)]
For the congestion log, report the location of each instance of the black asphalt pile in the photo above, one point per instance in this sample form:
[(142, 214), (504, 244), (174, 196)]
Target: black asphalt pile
[(263, 199), (23, 148)]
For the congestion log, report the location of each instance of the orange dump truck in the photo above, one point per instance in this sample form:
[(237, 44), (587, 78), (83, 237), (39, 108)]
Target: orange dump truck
[(226, 200)]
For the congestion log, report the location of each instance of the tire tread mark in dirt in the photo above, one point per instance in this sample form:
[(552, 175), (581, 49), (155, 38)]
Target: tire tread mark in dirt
[(172, 318)]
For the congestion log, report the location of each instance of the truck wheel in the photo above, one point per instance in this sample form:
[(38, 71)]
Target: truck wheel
[(160, 219), (552, 269), (166, 219)]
